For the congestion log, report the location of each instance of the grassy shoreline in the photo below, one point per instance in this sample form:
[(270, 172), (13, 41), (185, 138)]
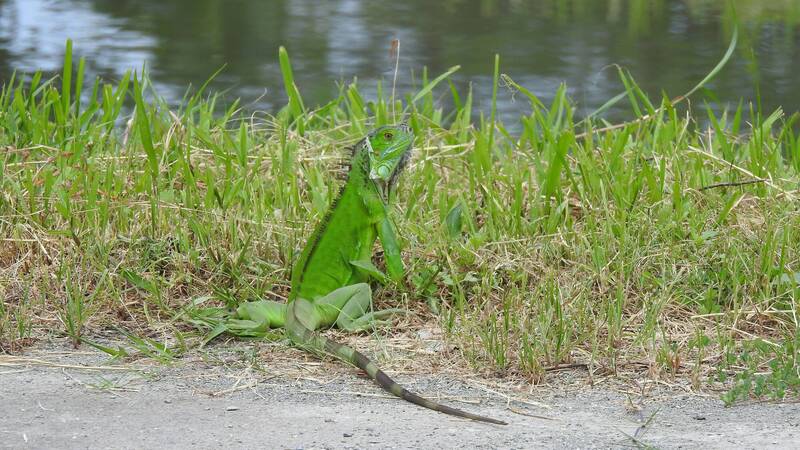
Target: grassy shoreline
[(658, 244)]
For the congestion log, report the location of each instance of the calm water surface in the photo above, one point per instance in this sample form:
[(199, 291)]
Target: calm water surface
[(668, 45)]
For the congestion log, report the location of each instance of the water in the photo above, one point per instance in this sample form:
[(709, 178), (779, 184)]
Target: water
[(667, 45)]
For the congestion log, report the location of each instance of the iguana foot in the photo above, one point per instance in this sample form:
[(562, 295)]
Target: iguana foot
[(372, 320)]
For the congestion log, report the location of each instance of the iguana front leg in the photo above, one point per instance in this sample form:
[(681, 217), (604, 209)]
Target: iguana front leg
[(379, 216), (355, 316), (391, 249)]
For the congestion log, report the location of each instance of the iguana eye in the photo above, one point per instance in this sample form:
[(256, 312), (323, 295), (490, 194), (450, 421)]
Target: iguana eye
[(388, 135)]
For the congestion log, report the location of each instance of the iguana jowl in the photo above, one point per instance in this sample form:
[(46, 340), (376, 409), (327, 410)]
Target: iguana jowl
[(329, 281)]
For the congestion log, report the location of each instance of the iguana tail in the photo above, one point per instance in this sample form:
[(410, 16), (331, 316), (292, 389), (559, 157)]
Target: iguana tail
[(305, 337)]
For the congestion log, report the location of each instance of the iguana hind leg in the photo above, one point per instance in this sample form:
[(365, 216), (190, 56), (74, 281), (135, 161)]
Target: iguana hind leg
[(265, 313), (255, 319), (349, 307)]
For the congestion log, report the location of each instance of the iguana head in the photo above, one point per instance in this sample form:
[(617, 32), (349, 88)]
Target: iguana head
[(389, 148)]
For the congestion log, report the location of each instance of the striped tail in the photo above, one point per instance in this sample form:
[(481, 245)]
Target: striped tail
[(313, 341)]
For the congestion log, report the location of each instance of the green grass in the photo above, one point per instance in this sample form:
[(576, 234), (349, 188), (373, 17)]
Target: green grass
[(662, 247)]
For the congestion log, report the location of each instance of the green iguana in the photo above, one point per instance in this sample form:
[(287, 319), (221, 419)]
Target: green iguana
[(329, 280)]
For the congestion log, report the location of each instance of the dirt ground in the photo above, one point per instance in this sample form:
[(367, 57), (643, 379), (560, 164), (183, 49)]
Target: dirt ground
[(59, 398)]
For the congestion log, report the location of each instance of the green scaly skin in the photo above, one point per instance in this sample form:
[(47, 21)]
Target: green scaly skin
[(329, 280)]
